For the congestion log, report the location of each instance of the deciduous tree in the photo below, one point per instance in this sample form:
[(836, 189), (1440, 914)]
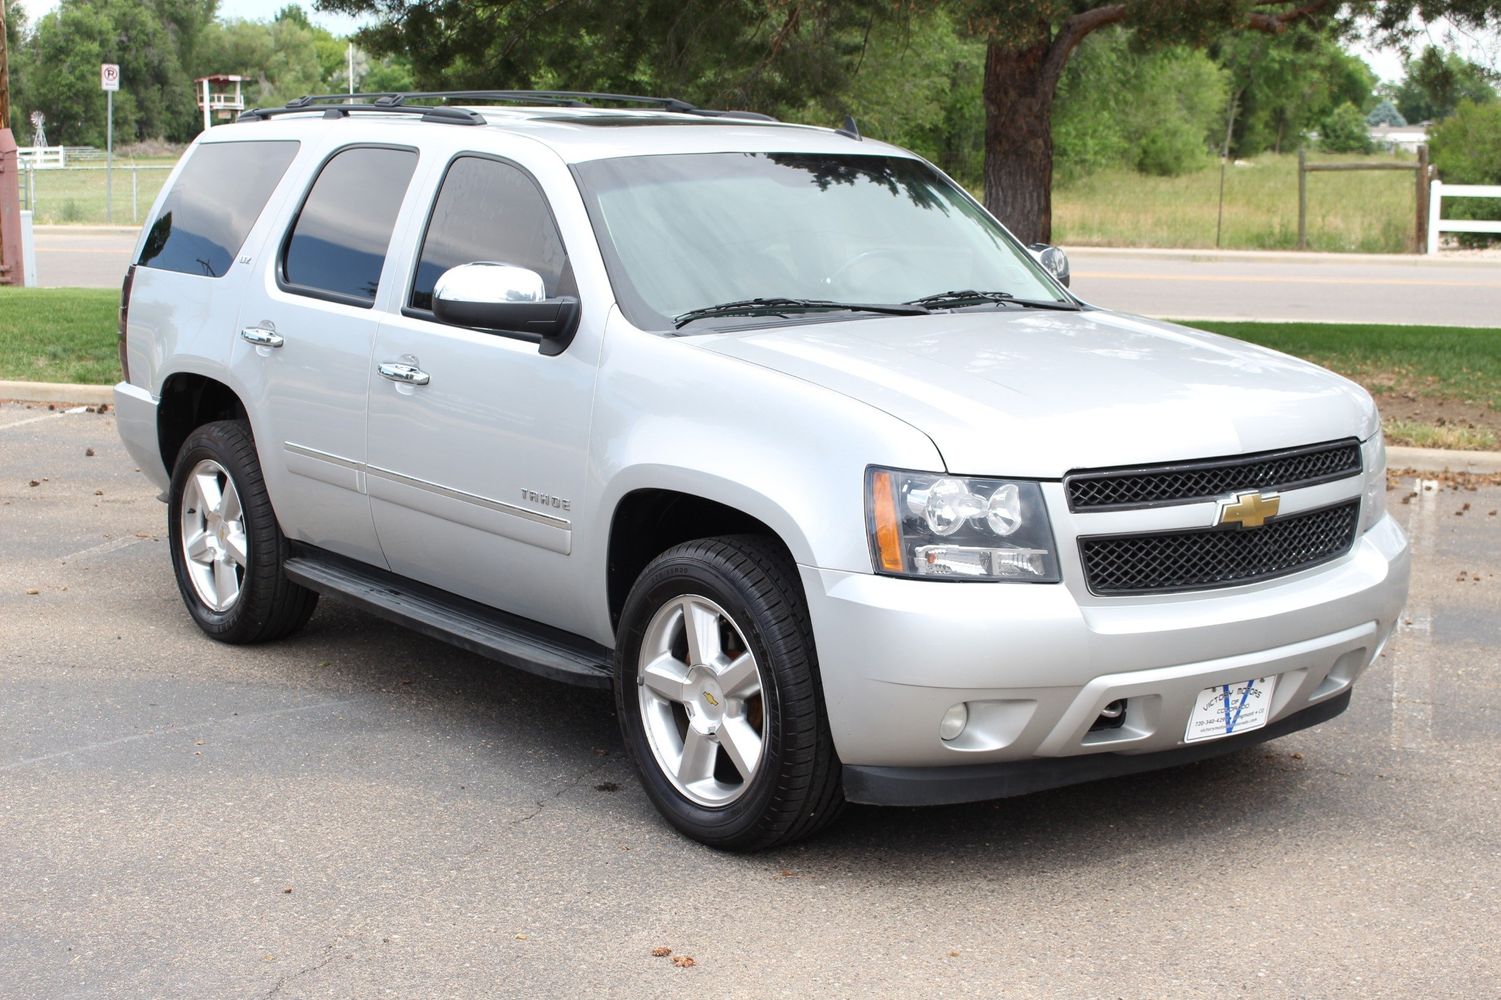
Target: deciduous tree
[(765, 53)]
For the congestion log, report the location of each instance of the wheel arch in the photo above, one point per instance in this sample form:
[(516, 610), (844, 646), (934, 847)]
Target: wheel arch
[(650, 520), (189, 400)]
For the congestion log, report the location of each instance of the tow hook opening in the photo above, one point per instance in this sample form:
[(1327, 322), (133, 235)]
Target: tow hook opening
[(1112, 716)]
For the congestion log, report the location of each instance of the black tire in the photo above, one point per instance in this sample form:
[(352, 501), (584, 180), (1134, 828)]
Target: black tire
[(795, 790), (269, 606)]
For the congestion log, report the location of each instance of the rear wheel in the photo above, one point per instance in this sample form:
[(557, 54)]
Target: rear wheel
[(227, 549), (719, 698)]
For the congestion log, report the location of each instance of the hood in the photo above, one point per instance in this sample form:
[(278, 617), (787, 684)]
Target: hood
[(1035, 393)]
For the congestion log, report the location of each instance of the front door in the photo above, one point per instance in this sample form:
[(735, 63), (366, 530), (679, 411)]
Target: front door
[(473, 473)]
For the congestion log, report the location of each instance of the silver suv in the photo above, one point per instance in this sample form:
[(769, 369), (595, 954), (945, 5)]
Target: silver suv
[(769, 428)]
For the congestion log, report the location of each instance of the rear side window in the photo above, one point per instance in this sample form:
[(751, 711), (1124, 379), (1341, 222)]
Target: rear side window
[(488, 210), (338, 242), (217, 198)]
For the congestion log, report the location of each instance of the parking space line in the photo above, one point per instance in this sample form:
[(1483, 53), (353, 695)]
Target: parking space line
[(1413, 656), (113, 545), (45, 416), (169, 730)]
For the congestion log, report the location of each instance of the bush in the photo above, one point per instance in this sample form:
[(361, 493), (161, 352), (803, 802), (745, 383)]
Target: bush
[(1171, 148), (1344, 131), (1156, 111), (1466, 149)]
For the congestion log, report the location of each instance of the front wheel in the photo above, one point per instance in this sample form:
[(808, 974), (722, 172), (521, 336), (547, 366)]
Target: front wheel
[(227, 549), (719, 699)]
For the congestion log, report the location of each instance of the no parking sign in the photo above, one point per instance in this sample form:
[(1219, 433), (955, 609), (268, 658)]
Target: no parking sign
[(109, 76)]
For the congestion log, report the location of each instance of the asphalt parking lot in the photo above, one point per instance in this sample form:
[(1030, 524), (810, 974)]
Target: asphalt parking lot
[(360, 812)]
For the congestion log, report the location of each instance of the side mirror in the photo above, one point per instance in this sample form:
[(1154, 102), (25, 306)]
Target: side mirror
[(1053, 259), (508, 299)]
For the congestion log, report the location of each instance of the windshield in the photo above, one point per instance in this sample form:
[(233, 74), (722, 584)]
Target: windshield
[(687, 232)]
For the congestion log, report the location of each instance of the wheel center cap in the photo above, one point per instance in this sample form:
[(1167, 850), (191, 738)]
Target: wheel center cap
[(707, 699)]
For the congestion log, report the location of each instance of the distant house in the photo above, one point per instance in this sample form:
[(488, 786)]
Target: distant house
[(1404, 137)]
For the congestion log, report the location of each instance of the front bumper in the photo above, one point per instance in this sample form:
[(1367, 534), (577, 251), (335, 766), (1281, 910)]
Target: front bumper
[(941, 786), (1036, 664)]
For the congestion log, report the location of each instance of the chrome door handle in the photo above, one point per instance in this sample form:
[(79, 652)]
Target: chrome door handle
[(261, 337), (407, 374)]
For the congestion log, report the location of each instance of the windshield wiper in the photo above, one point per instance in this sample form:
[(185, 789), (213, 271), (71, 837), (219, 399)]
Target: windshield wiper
[(782, 306), (969, 297)]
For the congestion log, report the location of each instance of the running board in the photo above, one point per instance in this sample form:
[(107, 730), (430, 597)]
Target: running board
[(512, 640)]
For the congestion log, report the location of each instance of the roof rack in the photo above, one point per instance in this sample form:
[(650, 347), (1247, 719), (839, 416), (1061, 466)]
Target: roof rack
[(449, 116), (340, 105)]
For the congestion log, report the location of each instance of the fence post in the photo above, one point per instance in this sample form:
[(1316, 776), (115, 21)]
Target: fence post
[(135, 172), (1420, 233), (1435, 213), (1302, 199)]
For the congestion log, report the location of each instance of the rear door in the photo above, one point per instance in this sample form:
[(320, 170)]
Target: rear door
[(304, 346), (473, 475)]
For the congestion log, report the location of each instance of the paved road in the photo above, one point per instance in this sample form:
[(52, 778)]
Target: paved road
[(1449, 290), (82, 256), (360, 812), (1175, 284)]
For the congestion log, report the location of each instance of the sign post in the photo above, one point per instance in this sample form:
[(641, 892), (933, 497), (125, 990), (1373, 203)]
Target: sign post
[(109, 82)]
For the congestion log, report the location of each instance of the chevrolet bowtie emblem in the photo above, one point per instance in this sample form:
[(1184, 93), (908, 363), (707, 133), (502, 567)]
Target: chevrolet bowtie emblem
[(1249, 510), (711, 699)]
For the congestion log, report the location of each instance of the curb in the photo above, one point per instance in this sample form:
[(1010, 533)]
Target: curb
[(1297, 256), (66, 229), (1439, 460), (1397, 457), (57, 392)]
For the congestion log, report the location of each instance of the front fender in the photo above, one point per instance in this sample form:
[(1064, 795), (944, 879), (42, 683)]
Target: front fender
[(790, 453)]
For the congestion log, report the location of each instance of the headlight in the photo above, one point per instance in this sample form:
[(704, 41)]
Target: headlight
[(1373, 506), (930, 525)]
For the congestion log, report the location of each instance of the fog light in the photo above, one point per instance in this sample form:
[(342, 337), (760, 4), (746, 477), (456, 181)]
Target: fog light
[(954, 721)]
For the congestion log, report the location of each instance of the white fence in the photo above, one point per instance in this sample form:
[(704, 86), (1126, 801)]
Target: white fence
[(42, 157), (1437, 222)]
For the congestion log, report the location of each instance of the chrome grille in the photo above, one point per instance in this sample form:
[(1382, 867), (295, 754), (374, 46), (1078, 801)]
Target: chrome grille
[(1191, 482), (1201, 559)]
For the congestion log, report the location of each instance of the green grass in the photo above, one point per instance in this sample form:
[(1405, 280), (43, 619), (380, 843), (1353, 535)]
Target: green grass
[(1443, 365), (1367, 211), (79, 195), (1439, 362), (1448, 436), (59, 335)]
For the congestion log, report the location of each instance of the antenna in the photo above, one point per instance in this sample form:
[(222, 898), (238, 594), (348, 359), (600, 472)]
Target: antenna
[(851, 129)]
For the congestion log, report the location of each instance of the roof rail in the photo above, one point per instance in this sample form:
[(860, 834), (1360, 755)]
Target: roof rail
[(395, 101), (448, 116)]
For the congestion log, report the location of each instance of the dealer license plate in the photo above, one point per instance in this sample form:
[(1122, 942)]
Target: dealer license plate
[(1226, 709)]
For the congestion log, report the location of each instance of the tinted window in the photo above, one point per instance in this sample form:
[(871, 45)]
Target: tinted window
[(487, 210), (217, 198), (338, 243)]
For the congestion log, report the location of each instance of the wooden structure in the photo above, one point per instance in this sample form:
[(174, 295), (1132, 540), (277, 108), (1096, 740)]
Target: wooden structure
[(219, 94), (1421, 170)]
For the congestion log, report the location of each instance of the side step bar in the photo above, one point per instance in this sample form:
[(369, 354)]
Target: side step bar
[(512, 640)]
